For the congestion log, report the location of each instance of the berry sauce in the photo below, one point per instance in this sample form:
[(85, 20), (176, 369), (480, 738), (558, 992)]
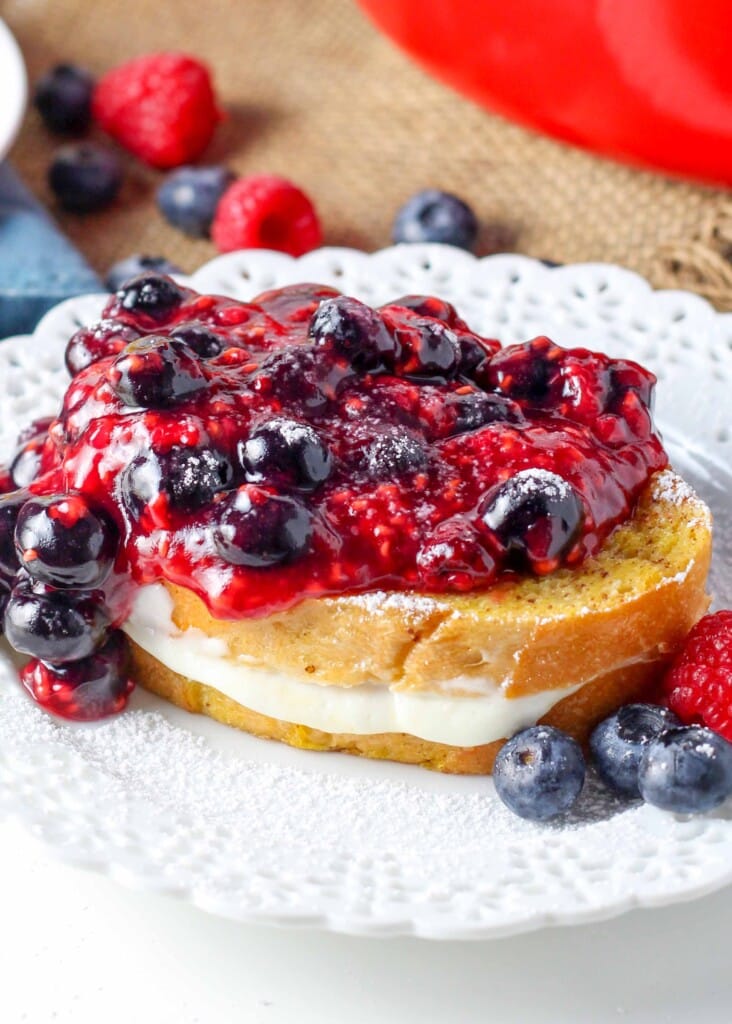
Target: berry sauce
[(303, 445)]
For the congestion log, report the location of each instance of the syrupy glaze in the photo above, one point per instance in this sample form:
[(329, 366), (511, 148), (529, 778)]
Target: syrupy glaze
[(416, 444)]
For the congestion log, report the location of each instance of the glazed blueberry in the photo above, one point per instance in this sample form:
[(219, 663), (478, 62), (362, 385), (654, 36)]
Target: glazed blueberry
[(535, 516), (539, 773), (393, 452), (190, 477), (354, 331), (156, 372), (27, 462), (85, 690), (259, 529), (84, 177), (686, 770), (428, 305), (618, 743), (61, 541), (120, 273), (154, 296), (90, 344), (10, 506), (476, 409), (189, 196), (200, 339), (294, 375), (52, 625), (434, 216), (285, 453), (63, 99), (429, 349), (522, 371)]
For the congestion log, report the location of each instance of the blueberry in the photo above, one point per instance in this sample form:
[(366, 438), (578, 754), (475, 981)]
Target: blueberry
[(686, 770), (476, 409), (293, 375), (10, 506), (190, 477), (189, 196), (122, 272), (150, 295), (618, 743), (539, 773), (536, 516), (84, 690), (429, 305), (434, 216), (258, 529), (61, 541), (355, 331), (90, 344), (155, 372), (521, 371), (53, 625), (393, 452), (200, 339), (84, 177), (63, 98), (285, 453), (431, 350), (26, 464)]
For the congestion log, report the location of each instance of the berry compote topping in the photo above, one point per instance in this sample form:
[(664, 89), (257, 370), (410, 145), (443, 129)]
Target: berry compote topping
[(305, 444)]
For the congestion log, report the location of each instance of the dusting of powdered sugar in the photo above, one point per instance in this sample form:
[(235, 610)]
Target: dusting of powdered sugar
[(672, 489), (377, 602)]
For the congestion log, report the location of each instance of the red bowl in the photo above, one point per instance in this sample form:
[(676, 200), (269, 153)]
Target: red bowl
[(647, 81)]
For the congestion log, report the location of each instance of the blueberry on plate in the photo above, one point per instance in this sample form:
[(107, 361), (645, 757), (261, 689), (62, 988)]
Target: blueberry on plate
[(63, 98), (285, 453), (61, 541), (435, 216), (618, 744), (189, 196), (686, 770), (258, 529), (393, 452), (539, 773), (84, 177), (53, 625), (84, 690), (124, 270)]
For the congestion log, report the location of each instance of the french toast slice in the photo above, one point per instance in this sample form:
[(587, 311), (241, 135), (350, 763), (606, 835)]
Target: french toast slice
[(605, 629)]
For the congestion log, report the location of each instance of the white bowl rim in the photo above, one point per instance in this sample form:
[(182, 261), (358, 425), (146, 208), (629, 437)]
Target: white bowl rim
[(13, 87)]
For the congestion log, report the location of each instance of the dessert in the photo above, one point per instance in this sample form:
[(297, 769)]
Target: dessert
[(347, 528)]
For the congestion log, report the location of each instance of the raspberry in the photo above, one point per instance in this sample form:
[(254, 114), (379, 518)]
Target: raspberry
[(161, 107), (266, 212), (698, 686)]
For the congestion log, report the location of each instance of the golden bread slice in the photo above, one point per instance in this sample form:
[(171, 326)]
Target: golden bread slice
[(606, 627)]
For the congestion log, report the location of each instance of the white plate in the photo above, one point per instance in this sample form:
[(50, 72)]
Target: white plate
[(13, 89), (256, 831)]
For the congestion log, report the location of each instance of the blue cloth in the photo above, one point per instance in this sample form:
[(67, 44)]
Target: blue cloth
[(38, 265)]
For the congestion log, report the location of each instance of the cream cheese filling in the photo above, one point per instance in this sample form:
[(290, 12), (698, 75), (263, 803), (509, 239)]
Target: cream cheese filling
[(464, 721)]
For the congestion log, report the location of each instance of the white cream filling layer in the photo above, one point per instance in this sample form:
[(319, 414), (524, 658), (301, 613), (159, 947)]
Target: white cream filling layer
[(362, 710)]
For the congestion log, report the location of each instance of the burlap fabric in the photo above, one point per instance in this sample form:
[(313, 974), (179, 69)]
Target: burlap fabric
[(313, 92)]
